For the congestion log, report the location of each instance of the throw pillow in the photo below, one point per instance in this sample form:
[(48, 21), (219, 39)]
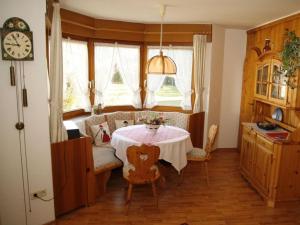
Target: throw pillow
[(123, 123), (101, 134)]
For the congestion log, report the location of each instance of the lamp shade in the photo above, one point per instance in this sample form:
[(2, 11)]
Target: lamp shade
[(161, 64)]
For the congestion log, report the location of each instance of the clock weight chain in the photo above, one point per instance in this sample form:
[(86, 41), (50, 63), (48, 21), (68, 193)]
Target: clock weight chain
[(20, 126)]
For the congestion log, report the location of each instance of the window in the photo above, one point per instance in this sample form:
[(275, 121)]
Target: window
[(171, 90), (117, 75), (75, 75)]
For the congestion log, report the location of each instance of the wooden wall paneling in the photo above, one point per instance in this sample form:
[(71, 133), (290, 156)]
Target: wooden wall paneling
[(90, 175), (73, 29), (196, 128), (176, 32), (77, 19), (69, 175), (81, 25)]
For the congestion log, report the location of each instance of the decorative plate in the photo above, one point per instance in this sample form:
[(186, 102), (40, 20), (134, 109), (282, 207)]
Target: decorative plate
[(277, 114)]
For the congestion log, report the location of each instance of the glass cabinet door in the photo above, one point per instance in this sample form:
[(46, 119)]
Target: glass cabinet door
[(262, 76), (278, 86)]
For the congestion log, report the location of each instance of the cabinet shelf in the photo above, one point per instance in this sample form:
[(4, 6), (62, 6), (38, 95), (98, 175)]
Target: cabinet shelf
[(276, 104), (283, 125), (268, 54)]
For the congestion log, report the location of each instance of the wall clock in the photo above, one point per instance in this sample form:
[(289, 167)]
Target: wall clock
[(16, 40)]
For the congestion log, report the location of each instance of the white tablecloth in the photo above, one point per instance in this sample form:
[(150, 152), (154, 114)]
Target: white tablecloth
[(172, 150)]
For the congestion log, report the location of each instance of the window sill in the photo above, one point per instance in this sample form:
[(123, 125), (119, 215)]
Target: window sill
[(74, 113), (169, 109), (81, 112)]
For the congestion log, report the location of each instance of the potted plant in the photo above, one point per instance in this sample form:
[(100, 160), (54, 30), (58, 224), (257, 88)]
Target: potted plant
[(290, 58)]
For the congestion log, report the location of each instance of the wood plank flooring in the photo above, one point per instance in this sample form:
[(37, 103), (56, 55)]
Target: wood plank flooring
[(229, 200)]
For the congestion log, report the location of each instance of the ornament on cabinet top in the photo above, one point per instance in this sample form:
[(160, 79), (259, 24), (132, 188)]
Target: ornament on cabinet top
[(16, 40)]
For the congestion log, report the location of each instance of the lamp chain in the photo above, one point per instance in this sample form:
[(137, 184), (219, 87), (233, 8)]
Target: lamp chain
[(162, 13)]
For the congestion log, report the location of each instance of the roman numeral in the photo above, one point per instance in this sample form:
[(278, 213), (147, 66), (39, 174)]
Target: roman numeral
[(27, 50), (9, 49), (13, 53)]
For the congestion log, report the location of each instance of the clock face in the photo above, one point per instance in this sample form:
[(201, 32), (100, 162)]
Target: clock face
[(17, 45)]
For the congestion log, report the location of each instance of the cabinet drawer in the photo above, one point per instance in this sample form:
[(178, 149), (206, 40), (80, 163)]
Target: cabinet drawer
[(249, 132), (264, 142)]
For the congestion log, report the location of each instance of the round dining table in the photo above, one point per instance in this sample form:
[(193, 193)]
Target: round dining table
[(174, 142)]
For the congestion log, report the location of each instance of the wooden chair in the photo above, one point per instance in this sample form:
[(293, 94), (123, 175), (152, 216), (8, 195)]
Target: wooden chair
[(142, 168), (203, 155)]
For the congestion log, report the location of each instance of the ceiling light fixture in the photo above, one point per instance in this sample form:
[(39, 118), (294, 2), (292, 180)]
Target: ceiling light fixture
[(160, 64)]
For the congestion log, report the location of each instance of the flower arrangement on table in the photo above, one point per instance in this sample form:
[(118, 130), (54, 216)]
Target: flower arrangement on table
[(153, 121)]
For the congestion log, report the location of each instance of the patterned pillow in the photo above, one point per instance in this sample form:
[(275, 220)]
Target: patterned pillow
[(101, 134), (111, 117), (91, 121), (123, 123)]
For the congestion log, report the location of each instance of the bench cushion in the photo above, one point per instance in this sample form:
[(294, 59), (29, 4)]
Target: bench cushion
[(104, 158)]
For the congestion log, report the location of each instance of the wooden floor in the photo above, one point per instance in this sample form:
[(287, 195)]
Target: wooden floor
[(229, 200)]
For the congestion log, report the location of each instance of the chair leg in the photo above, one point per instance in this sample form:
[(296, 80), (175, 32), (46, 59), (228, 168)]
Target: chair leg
[(128, 200), (154, 193), (206, 171), (181, 176)]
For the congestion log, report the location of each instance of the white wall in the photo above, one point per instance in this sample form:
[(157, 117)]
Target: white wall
[(36, 124), (234, 55), (225, 84)]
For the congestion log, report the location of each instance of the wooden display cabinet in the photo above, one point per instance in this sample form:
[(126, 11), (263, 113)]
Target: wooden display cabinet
[(270, 85), (272, 167)]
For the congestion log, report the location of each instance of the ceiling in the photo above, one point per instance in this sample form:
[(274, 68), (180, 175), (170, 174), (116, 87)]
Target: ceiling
[(235, 13)]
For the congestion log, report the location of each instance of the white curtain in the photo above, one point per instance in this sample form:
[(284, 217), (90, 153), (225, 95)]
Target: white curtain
[(199, 44), (183, 79), (75, 61), (183, 57), (128, 58), (104, 61), (154, 83), (57, 130)]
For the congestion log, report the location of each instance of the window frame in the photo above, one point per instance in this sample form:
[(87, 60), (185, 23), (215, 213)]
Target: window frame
[(110, 108), (162, 107), (80, 111), (143, 75)]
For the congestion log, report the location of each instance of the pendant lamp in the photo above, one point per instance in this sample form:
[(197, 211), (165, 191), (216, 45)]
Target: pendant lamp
[(160, 64)]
